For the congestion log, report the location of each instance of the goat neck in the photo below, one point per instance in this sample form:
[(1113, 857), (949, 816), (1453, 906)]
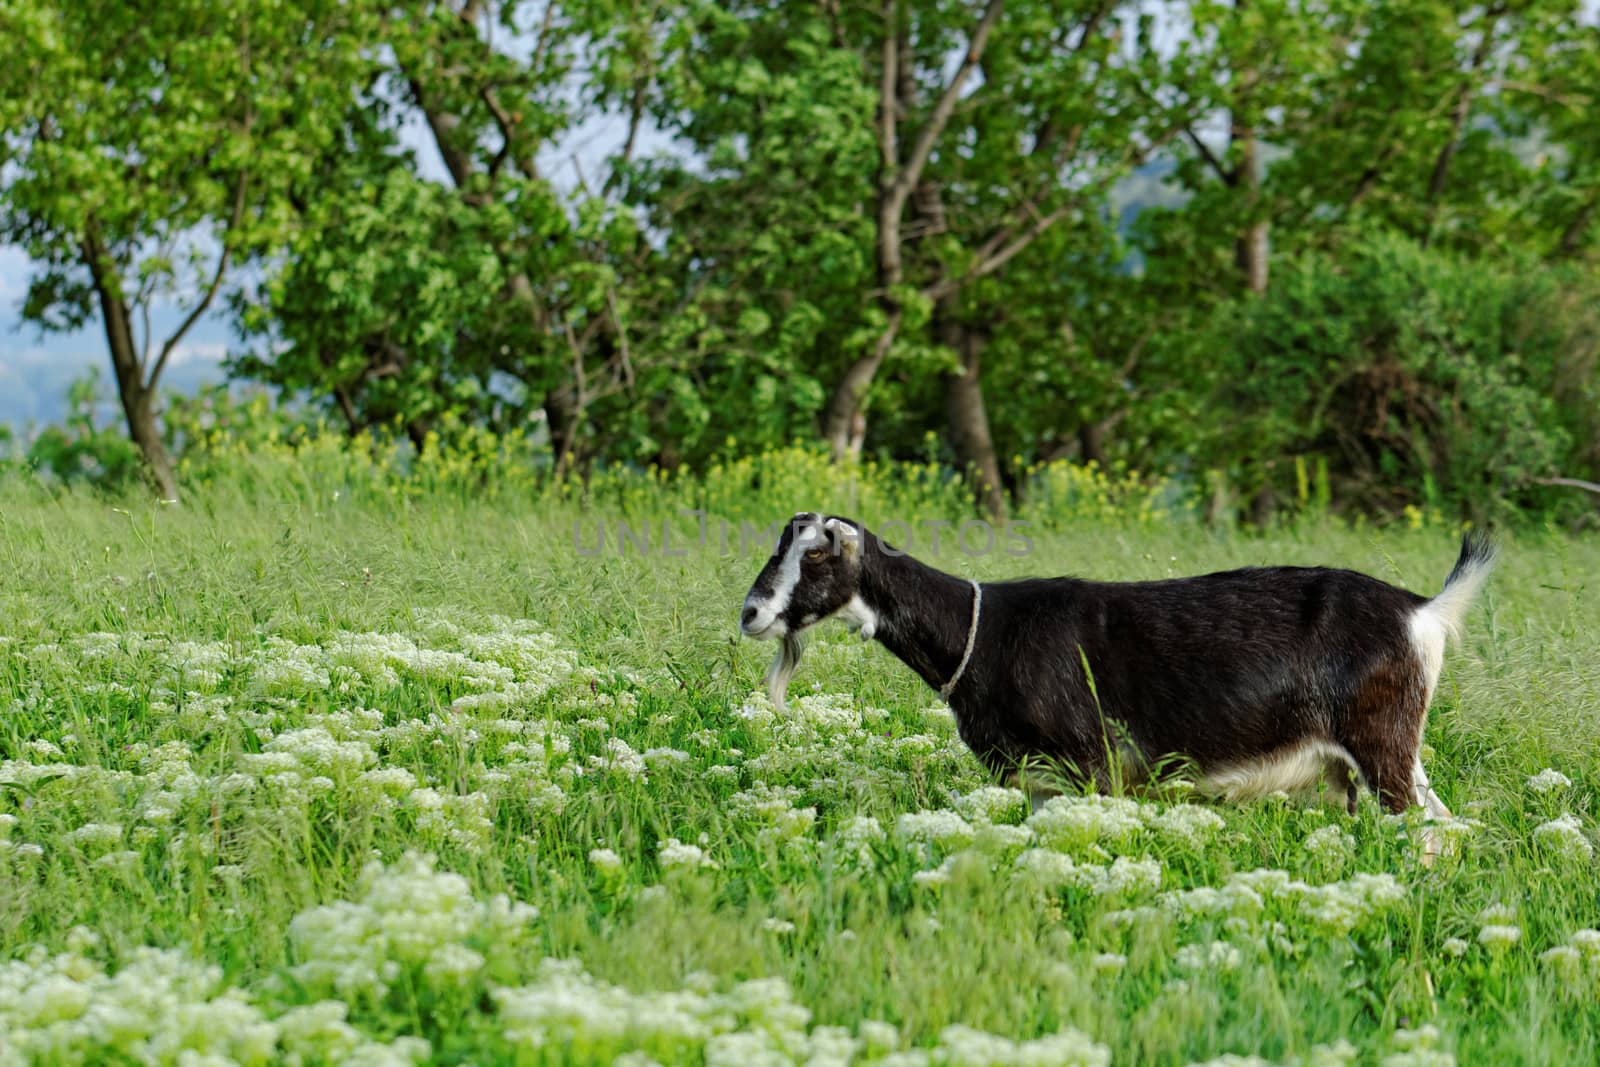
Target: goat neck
[(920, 614)]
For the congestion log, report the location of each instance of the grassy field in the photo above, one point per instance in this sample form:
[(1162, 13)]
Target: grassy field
[(314, 774)]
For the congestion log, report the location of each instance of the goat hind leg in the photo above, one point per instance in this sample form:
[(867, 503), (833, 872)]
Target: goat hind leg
[(1425, 796), (1433, 843), (1382, 731)]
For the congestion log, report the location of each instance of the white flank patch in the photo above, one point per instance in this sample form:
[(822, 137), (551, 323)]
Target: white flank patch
[(1296, 769)]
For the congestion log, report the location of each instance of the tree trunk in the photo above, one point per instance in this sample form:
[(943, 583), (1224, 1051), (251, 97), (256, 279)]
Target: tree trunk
[(142, 427), (1252, 255), (844, 406), (1571, 240), (969, 418), (1252, 249), (898, 177), (561, 419), (1092, 443), (138, 399)]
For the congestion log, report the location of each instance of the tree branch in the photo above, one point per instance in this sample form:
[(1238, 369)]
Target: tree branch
[(1570, 101), (1369, 177), (443, 126), (199, 309), (542, 48), (1571, 483), (1006, 244), (1571, 237), (1229, 177), (1049, 130), (835, 27), (507, 124), (999, 256), (888, 99), (908, 177), (635, 118), (1463, 104)]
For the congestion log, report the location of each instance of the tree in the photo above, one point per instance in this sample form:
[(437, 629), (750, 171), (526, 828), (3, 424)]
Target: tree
[(946, 139), (146, 152), (493, 297)]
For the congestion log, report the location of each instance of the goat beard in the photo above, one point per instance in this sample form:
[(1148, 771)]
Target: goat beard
[(790, 646)]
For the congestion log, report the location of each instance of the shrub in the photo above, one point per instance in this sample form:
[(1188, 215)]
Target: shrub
[(1420, 379)]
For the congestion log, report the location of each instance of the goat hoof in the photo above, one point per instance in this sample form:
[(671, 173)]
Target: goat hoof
[(1433, 846)]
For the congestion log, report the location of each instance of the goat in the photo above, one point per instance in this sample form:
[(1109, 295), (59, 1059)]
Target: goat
[(1261, 679)]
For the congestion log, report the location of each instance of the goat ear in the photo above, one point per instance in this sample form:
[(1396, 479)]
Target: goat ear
[(847, 535)]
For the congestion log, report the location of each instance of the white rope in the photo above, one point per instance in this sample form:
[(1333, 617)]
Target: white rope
[(972, 639)]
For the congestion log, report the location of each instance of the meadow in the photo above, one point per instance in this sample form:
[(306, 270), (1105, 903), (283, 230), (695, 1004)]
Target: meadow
[(333, 764)]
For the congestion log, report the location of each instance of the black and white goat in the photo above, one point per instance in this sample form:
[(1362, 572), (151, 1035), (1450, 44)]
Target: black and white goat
[(1262, 679)]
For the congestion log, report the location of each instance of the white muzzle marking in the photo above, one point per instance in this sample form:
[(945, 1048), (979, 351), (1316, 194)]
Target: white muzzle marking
[(762, 619)]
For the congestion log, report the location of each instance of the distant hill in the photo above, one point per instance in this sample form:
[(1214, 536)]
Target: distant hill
[(33, 384)]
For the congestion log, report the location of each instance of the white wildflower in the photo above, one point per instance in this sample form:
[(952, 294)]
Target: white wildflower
[(1499, 936), (1001, 838), (1497, 913), (938, 876), (1549, 780), (993, 804), (1565, 961), (856, 839), (962, 1046), (1125, 876), (940, 827), (1330, 842), (1216, 957), (1417, 1049), (452, 964), (1108, 962), (605, 860), (1189, 824), (1068, 821), (96, 835), (1587, 941), (1565, 836), (757, 708), (673, 853), (408, 915), (619, 758), (1339, 1054), (827, 711)]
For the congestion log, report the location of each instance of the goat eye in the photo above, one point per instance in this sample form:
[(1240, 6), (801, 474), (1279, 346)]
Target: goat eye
[(816, 555)]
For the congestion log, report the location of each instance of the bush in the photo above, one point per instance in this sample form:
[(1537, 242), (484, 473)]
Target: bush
[(79, 451), (1419, 379)]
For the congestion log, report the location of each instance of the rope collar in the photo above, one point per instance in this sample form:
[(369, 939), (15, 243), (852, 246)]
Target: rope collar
[(972, 639)]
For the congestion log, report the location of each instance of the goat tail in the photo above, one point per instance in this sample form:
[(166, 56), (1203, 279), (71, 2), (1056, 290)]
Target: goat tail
[(1472, 569), (790, 646)]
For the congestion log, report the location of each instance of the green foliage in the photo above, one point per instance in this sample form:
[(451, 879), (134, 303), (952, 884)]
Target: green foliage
[(386, 308), (83, 448), (1094, 214), (1420, 378)]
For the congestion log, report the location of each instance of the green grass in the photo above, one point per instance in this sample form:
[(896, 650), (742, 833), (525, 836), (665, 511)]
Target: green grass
[(298, 757)]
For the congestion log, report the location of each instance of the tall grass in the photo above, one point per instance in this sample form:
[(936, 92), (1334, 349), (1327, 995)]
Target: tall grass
[(235, 627)]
